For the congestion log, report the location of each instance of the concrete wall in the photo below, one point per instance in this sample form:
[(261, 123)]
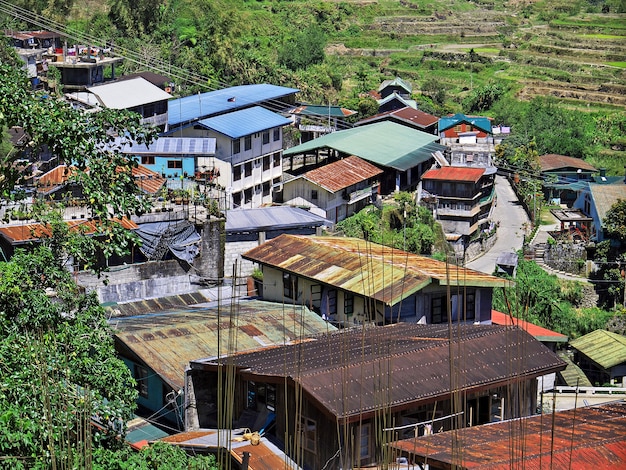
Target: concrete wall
[(163, 278)]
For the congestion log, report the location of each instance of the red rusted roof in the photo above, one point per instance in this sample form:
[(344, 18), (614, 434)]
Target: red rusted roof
[(540, 333), (554, 161), (407, 114), (585, 438), (454, 173), (54, 179), (147, 180), (356, 372), (343, 173), (364, 268), (17, 234)]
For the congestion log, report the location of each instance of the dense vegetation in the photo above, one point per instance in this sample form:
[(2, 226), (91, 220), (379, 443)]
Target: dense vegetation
[(58, 367)]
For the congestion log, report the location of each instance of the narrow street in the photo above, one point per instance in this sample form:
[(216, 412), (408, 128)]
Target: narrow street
[(512, 217)]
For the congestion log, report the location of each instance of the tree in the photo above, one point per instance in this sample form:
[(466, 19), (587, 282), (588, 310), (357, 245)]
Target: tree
[(87, 143), (304, 49), (615, 221)]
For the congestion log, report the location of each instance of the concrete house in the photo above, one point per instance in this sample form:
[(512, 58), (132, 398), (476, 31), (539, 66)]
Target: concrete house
[(314, 121), (470, 140), (343, 396), (248, 155), (462, 198), (158, 344), (401, 152), (351, 281), (336, 190), (135, 94)]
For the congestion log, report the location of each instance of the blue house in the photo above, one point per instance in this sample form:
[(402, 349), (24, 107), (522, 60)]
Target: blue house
[(596, 199)]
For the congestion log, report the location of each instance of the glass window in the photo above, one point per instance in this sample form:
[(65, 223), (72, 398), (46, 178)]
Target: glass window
[(277, 159), (236, 146), (314, 195), (237, 172), (276, 134), (365, 442), (174, 163), (248, 168), (439, 313), (247, 144), (141, 377), (266, 162), (237, 199), (247, 196), (470, 305), (266, 188), (147, 160), (266, 137)]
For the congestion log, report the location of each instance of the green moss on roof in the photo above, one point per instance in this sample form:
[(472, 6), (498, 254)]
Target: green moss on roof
[(603, 347)]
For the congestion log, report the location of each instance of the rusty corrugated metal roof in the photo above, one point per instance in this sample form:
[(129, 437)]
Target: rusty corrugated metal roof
[(343, 173), (357, 372), (25, 233), (454, 173), (539, 332), (147, 180), (364, 268), (553, 161), (584, 438), (166, 342)]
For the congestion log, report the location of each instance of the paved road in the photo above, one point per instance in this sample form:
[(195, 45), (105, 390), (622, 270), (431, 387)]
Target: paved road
[(512, 218)]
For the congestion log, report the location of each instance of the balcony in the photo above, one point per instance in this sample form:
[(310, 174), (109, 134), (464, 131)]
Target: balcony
[(360, 194)]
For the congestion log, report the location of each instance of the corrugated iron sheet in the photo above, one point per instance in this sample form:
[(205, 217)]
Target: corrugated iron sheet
[(357, 372), (24, 233), (540, 333), (554, 161), (365, 268), (168, 341), (343, 173), (454, 173), (147, 180), (603, 347), (585, 438)]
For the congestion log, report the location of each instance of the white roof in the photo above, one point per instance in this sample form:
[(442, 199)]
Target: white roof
[(127, 94)]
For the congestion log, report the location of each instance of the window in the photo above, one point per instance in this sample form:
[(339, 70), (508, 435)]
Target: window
[(248, 169), (174, 163), (276, 134), (266, 162), (247, 194), (348, 304), (314, 195), (247, 142), (266, 188), (364, 442), (237, 172), (308, 431), (270, 398), (237, 199), (141, 377), (438, 309), (290, 285), (266, 137), (236, 146), (331, 302), (277, 159), (147, 160)]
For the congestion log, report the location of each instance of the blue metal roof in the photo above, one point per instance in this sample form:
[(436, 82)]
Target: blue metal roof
[(479, 122), (194, 107), (244, 122)]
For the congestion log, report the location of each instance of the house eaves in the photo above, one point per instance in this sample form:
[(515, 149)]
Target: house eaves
[(244, 122), (385, 144)]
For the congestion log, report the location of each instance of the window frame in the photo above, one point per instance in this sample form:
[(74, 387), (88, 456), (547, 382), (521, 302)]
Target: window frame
[(147, 159), (266, 137), (140, 374), (290, 285), (236, 146), (247, 142)]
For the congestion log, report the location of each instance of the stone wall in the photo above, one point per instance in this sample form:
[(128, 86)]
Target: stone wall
[(567, 257)]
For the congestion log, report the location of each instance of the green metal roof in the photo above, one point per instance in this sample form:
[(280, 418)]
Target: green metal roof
[(572, 374), (383, 143), (603, 347)]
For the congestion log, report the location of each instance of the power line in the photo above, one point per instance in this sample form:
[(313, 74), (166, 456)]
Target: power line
[(156, 65)]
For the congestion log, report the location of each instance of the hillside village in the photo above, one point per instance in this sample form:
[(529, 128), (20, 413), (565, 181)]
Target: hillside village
[(252, 325)]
